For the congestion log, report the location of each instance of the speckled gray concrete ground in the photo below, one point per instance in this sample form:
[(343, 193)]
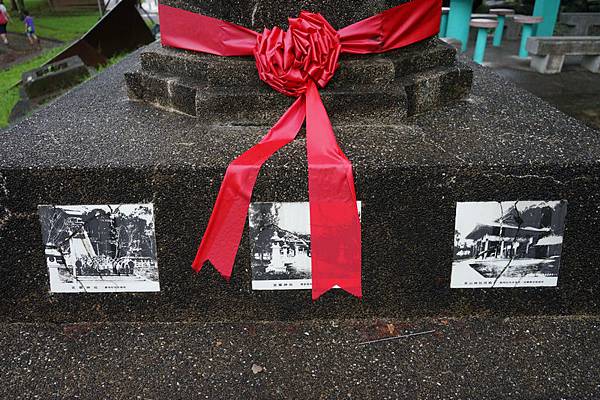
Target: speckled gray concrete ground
[(517, 358), (575, 91)]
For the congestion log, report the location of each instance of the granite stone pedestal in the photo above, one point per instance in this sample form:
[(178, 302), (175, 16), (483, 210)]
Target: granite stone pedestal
[(381, 89), (95, 145), (423, 132)]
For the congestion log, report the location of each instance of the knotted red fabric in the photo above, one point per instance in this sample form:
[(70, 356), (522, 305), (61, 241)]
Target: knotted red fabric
[(296, 63), (307, 51)]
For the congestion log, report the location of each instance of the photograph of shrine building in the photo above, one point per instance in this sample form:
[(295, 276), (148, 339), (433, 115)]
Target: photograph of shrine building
[(100, 248), (280, 245), (508, 244), (283, 253)]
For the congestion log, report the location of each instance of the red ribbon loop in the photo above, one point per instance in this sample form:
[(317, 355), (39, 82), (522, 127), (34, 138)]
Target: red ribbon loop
[(295, 62), (308, 50)]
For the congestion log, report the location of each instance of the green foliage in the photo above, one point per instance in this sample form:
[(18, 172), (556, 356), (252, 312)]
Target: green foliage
[(8, 99), (111, 61), (63, 26)]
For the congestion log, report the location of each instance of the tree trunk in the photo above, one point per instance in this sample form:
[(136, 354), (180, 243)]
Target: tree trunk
[(17, 5)]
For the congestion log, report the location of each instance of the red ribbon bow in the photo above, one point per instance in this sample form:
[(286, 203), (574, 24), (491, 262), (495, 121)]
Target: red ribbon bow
[(307, 52), (295, 62)]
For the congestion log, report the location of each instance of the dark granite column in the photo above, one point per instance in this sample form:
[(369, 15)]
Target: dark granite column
[(260, 14)]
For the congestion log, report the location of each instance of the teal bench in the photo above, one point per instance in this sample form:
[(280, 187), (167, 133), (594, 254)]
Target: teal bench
[(483, 26)]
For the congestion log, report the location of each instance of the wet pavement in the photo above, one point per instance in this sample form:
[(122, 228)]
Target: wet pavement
[(473, 358), (575, 91)]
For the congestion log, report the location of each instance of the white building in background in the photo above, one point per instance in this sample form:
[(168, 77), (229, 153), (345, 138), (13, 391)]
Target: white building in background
[(505, 241), (287, 253)]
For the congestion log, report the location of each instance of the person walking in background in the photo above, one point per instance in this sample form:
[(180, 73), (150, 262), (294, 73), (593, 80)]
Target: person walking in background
[(4, 19), (30, 29)]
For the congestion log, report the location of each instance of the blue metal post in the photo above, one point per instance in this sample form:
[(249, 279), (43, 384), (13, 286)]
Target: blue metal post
[(480, 44), (458, 21), (525, 34), (547, 9), (499, 31), (443, 25)]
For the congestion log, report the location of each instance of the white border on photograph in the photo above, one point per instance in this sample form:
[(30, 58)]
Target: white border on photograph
[(68, 240), (508, 244)]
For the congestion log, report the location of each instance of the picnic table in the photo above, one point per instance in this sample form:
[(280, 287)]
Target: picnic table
[(548, 10), (459, 18)]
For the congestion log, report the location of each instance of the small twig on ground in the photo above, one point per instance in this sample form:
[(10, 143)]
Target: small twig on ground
[(396, 337)]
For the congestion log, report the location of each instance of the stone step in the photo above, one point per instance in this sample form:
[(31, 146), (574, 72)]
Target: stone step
[(236, 71), (255, 105), (437, 87), (416, 58), (377, 70), (262, 106), (165, 92), (227, 90)]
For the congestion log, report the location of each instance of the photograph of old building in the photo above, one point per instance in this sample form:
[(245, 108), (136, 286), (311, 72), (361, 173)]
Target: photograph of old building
[(280, 245), (282, 252), (508, 244), (100, 248)]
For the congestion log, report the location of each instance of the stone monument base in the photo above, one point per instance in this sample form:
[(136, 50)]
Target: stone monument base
[(96, 146), (227, 90)]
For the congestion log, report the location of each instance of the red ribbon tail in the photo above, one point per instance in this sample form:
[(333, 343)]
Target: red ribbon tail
[(226, 225), (188, 30), (334, 221), (396, 27)]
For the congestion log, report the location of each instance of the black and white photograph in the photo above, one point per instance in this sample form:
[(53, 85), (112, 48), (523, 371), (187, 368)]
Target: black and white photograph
[(280, 245), (100, 248), (508, 243)]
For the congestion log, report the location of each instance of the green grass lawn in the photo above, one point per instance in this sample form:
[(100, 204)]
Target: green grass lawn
[(64, 26), (9, 94)]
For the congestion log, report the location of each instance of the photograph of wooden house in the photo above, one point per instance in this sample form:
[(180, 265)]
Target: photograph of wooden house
[(507, 244)]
